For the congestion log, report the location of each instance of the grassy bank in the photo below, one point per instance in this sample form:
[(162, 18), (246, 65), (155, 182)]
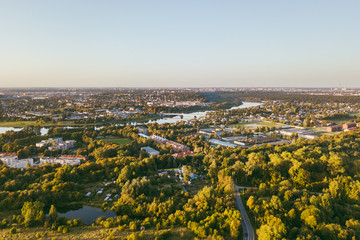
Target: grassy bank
[(28, 123), (87, 232), (118, 141), (20, 124)]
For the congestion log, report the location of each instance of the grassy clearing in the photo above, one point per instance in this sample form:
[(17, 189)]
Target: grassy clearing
[(118, 141), (343, 119), (87, 232)]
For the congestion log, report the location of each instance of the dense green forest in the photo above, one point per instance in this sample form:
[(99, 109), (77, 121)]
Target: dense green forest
[(305, 190)]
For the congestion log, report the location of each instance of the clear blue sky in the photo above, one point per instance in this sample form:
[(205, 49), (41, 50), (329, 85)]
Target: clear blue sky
[(180, 43)]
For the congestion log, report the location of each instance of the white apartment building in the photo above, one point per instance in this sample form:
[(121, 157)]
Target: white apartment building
[(62, 161), (59, 144)]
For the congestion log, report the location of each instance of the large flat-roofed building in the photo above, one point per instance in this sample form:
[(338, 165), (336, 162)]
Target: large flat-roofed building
[(177, 147), (143, 130), (291, 131), (349, 125), (158, 139), (183, 154), (221, 143), (150, 151), (335, 128), (60, 160), (23, 163), (253, 141), (11, 160), (143, 135), (8, 158)]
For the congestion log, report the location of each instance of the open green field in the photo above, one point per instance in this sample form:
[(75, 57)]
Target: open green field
[(341, 120), (118, 141), (87, 232), (355, 114)]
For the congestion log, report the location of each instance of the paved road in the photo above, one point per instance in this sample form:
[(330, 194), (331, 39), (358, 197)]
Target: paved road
[(245, 222)]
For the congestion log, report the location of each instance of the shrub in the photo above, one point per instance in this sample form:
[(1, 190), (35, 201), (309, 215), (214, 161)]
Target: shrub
[(12, 230)]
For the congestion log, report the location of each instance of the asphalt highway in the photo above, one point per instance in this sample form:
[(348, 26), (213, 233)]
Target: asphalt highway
[(245, 221)]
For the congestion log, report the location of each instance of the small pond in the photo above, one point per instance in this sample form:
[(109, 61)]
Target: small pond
[(87, 214)]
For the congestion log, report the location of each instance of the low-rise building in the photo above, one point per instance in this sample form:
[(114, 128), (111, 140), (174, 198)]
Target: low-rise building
[(8, 158), (349, 125), (158, 139), (256, 140), (150, 151), (11, 160), (291, 131), (60, 160), (143, 130), (335, 128), (59, 144), (143, 135), (183, 154), (177, 147), (221, 143), (23, 163)]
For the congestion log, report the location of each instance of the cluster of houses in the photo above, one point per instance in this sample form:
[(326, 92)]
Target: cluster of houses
[(178, 172), (56, 144), (11, 160), (345, 127)]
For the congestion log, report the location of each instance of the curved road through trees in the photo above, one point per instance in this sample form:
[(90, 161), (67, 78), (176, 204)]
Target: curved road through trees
[(245, 221)]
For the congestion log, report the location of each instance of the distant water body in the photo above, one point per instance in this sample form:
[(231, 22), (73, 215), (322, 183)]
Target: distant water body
[(174, 119), (192, 115), (43, 131)]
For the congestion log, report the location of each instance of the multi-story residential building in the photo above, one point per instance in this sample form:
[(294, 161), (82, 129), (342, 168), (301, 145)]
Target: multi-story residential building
[(11, 160), (8, 158), (60, 160), (59, 144)]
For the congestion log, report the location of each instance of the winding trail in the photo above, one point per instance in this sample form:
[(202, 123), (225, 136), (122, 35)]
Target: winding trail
[(245, 221)]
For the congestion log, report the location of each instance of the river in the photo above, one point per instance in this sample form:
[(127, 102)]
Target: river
[(43, 130), (201, 114), (174, 119)]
